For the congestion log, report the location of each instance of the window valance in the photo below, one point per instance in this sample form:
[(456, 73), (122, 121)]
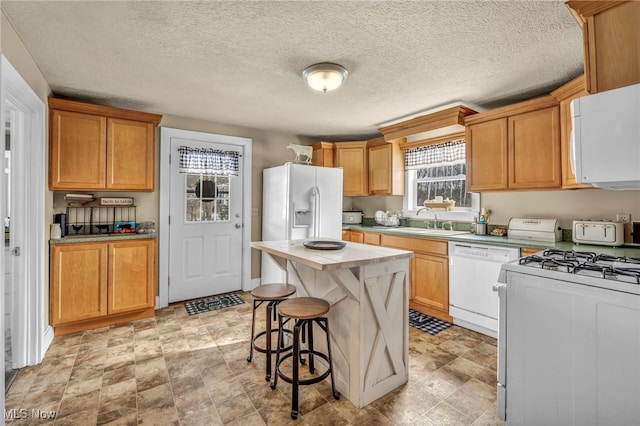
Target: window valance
[(208, 161), (442, 154)]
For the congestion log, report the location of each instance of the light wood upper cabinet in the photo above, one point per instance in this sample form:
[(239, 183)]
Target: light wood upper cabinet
[(77, 150), (322, 154), (386, 168), (515, 147), (487, 155), (565, 94), (130, 155), (534, 149), (611, 39), (93, 147), (352, 157)]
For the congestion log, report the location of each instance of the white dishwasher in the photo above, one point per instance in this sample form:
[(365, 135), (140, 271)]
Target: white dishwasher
[(473, 270)]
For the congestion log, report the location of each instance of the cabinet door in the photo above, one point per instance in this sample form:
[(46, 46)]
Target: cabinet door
[(487, 155), (380, 169), (527, 251), (77, 151), (130, 155), (534, 149), (322, 154), (357, 237), (346, 235), (78, 282), (132, 280), (568, 178), (352, 157), (430, 285), (611, 40)]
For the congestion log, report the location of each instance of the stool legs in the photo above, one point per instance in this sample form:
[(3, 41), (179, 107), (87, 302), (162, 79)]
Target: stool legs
[(336, 395), (256, 304), (296, 371), (302, 326), (270, 312), (270, 306)]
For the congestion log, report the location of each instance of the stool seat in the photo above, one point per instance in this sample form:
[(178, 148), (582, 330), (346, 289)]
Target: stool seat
[(271, 295), (305, 312), (303, 308), (273, 291)]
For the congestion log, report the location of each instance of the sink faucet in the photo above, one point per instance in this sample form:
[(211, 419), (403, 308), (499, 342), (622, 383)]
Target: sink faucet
[(435, 217)]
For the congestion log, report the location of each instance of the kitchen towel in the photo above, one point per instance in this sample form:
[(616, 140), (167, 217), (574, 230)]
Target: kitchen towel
[(426, 323)]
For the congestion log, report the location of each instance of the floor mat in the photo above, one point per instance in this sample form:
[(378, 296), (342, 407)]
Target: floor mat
[(212, 303), (426, 323)]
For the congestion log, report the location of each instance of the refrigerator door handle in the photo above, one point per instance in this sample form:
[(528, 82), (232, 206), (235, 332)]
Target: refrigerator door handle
[(315, 209)]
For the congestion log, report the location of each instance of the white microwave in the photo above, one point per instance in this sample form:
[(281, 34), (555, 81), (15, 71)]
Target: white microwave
[(605, 139)]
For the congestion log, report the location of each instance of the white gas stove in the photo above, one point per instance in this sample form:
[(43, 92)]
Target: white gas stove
[(608, 271), (569, 334)]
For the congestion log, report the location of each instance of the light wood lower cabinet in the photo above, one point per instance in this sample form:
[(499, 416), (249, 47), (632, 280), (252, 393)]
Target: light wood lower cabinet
[(526, 251), (98, 284), (428, 274)]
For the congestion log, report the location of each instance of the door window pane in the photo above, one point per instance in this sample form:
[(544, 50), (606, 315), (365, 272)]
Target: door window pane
[(206, 198)]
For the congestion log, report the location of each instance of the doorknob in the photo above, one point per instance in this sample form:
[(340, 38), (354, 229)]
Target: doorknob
[(238, 225)]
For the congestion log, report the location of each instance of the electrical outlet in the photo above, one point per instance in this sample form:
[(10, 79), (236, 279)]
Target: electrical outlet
[(254, 211), (623, 217)]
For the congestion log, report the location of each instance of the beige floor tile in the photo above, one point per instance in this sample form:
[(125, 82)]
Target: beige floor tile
[(176, 369)]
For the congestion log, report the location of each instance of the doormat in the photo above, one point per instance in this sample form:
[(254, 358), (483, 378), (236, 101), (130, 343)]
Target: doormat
[(426, 323), (212, 303)]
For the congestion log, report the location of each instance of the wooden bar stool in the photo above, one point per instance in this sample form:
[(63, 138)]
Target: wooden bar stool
[(273, 294), (305, 311)]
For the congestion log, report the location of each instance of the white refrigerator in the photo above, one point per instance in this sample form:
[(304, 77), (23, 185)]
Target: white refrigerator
[(299, 202)]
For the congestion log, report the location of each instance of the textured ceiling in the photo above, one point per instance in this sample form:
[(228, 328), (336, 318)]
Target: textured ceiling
[(239, 62)]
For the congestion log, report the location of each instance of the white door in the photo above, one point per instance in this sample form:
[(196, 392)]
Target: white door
[(206, 228)]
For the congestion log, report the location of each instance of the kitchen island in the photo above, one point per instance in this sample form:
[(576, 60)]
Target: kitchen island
[(367, 287)]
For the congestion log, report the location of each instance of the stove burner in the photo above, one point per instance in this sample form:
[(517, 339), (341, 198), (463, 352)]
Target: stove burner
[(605, 266), (570, 254), (534, 258), (634, 273), (620, 259)]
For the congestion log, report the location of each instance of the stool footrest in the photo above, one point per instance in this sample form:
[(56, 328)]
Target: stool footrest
[(273, 351), (310, 381)]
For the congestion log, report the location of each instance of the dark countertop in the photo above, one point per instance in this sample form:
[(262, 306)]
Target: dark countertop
[(626, 250), (101, 237)]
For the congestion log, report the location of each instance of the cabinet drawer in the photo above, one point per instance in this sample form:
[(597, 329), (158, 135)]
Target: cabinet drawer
[(373, 239), (436, 247)]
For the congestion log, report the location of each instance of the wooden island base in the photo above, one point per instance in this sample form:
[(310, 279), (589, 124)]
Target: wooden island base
[(369, 317)]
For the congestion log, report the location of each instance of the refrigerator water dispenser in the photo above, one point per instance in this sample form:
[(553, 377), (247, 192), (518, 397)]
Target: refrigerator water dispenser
[(302, 215)]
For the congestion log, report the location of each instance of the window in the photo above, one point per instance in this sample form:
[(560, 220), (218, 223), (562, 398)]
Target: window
[(207, 198), (439, 171)]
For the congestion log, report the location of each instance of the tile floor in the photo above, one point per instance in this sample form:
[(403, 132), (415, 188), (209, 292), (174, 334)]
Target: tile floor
[(176, 369)]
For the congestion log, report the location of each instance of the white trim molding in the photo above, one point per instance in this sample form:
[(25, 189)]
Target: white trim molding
[(30, 330)]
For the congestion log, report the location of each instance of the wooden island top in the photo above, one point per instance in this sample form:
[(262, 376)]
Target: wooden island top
[(354, 254)]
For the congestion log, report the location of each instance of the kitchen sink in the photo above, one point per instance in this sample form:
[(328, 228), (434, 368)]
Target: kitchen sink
[(425, 231)]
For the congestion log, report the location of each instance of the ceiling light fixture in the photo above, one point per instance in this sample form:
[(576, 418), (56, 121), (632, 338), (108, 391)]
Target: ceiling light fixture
[(325, 76)]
